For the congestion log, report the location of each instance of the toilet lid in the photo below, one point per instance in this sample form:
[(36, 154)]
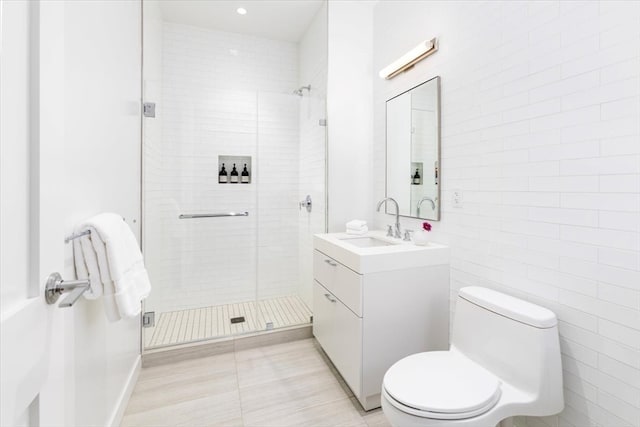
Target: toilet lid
[(442, 382)]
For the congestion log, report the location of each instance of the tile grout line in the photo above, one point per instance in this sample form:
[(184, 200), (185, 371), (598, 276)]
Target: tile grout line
[(235, 361)]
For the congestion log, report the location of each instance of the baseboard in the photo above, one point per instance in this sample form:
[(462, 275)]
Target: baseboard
[(273, 337), (162, 356), (123, 400)]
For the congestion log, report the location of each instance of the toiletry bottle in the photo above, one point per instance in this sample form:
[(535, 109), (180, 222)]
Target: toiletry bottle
[(234, 175), (416, 178), (245, 175), (222, 176)]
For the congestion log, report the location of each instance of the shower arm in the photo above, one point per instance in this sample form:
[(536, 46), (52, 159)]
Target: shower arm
[(301, 88)]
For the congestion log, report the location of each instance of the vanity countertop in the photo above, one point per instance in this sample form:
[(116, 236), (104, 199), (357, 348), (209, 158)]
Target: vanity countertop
[(393, 254)]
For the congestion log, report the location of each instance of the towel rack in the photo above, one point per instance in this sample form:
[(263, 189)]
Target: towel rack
[(212, 215), (76, 235)]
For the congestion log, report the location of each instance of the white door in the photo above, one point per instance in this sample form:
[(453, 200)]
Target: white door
[(69, 149), (33, 375)]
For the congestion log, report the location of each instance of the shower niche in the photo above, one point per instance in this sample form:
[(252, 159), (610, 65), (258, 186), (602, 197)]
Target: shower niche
[(242, 166)]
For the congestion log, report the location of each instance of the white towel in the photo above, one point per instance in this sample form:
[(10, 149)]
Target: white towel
[(356, 224), (360, 232), (110, 257)]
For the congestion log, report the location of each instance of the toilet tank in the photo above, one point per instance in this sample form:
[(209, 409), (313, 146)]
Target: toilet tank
[(516, 340)]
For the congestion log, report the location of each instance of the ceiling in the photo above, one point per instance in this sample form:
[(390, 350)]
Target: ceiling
[(285, 20)]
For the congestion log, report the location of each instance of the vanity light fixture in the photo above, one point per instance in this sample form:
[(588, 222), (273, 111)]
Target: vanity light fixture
[(409, 59)]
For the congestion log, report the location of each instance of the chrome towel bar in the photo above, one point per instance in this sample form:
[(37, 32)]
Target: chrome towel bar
[(75, 236), (212, 215)]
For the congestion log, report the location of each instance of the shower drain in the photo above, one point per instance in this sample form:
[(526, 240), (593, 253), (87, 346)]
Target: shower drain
[(237, 319)]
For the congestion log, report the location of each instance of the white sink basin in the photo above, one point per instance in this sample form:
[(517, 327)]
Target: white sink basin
[(366, 242), (376, 252)]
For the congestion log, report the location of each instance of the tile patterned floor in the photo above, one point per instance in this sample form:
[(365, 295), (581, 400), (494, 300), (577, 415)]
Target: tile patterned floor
[(178, 327), (282, 385)]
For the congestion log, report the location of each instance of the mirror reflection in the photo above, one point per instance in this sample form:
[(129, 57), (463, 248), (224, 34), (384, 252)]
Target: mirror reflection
[(413, 150)]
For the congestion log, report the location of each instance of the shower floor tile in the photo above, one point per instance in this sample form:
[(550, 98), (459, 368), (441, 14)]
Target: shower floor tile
[(178, 327)]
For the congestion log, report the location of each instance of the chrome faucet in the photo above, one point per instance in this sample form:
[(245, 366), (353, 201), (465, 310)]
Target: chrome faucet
[(397, 234), (433, 205)]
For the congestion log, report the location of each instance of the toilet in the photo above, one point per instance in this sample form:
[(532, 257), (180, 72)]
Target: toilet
[(504, 361)]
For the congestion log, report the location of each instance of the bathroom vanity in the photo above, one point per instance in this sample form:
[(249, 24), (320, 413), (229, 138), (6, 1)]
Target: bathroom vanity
[(375, 301)]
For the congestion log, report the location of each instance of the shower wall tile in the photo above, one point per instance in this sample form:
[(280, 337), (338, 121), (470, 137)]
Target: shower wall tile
[(278, 181), (216, 100)]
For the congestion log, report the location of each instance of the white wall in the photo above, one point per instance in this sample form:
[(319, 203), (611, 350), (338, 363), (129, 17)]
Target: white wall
[(540, 130), (349, 112), (102, 173)]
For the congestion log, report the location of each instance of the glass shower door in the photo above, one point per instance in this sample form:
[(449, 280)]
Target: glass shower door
[(200, 232), (291, 160)]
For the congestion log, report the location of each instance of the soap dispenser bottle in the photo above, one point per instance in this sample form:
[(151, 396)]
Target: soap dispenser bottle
[(416, 178), (222, 175), (234, 175), (244, 178)]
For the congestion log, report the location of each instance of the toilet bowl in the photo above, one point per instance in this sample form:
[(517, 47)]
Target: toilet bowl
[(504, 361)]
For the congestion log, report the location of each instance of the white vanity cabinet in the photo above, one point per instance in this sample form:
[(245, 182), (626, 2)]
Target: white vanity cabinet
[(367, 316)]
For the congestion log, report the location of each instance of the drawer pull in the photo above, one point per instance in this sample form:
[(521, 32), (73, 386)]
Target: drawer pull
[(328, 296), (331, 263)]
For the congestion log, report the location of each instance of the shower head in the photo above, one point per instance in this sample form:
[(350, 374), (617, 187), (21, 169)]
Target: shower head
[(300, 90)]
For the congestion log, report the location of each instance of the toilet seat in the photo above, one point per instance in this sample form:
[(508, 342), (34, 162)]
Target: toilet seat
[(441, 385)]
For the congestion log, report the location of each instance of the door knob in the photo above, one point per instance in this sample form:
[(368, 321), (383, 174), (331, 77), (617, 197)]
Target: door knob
[(56, 286)]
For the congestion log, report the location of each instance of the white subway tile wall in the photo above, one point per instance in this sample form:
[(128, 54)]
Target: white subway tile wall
[(222, 94), (541, 133), (277, 192)]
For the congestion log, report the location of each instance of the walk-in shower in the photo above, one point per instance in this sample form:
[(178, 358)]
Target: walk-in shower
[(228, 157)]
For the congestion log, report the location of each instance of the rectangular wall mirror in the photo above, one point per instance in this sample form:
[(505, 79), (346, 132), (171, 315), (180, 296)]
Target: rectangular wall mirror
[(413, 151)]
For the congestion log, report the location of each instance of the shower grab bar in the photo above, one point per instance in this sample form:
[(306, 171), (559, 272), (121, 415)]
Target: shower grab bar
[(212, 215)]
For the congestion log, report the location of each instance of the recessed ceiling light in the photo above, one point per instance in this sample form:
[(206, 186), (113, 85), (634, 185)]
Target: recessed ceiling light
[(241, 11)]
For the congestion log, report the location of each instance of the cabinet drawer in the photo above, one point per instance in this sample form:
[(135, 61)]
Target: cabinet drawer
[(341, 281), (339, 332)]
